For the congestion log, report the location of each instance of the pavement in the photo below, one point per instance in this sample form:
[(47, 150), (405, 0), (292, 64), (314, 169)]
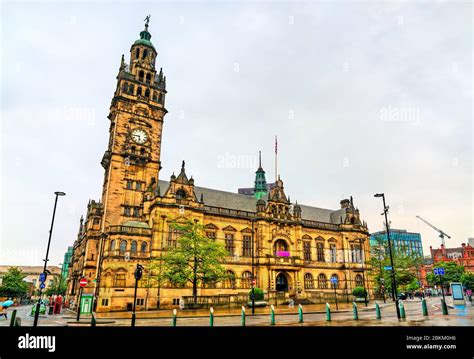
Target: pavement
[(314, 315)]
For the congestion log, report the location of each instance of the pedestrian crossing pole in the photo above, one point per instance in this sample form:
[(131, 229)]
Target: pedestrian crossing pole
[(377, 311), (174, 317), (402, 309), (328, 312), (424, 307), (243, 316), (211, 317), (355, 311), (272, 315)]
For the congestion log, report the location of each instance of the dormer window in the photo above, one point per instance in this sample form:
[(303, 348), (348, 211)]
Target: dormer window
[(181, 194)]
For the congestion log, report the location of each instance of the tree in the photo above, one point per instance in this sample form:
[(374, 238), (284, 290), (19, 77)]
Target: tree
[(13, 285), (406, 266), (452, 273), (196, 259), (58, 287), (467, 279)]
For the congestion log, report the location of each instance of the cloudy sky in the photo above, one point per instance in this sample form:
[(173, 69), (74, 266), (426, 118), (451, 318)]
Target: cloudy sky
[(364, 98)]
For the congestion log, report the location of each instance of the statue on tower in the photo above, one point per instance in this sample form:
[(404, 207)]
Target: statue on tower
[(147, 20)]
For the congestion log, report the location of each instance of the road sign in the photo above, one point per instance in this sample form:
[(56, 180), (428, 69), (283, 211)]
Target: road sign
[(388, 268), (83, 282), (254, 281), (334, 280), (42, 277), (439, 271), (42, 286)]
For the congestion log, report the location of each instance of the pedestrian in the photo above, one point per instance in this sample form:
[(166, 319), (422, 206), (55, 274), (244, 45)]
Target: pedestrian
[(4, 313), (291, 303)]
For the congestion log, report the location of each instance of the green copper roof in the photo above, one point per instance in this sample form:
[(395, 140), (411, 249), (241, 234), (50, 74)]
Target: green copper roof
[(145, 37), (143, 42)]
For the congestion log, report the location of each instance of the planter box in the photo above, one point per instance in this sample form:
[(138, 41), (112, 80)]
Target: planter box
[(258, 303), (360, 299)]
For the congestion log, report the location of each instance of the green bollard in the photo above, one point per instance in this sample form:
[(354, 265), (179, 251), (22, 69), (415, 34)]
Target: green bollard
[(175, 314), (243, 316), (328, 312), (211, 317), (93, 320), (12, 319), (355, 311), (424, 307), (300, 313), (378, 313), (444, 307), (402, 309), (272, 315)]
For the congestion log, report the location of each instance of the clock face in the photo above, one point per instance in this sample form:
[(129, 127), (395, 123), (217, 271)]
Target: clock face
[(139, 136)]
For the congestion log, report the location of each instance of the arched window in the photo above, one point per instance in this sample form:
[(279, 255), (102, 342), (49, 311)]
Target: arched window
[(281, 248), (359, 280), (120, 279), (139, 91), (154, 96), (137, 55), (125, 88), (320, 252), (145, 53), (322, 281), (160, 98), (112, 245), (181, 194), (308, 281), (335, 284), (144, 247), (246, 279), (229, 281), (123, 246), (148, 78), (140, 76), (133, 247), (131, 89), (147, 93)]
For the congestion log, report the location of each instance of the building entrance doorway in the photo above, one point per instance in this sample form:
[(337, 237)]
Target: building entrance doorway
[(281, 283)]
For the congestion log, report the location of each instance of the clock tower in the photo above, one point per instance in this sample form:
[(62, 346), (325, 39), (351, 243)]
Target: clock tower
[(132, 159)]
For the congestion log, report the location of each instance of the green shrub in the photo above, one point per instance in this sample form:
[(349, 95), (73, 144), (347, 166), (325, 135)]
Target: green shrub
[(258, 294), (359, 292)]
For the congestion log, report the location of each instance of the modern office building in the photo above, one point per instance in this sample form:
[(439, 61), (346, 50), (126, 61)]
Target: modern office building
[(402, 240)]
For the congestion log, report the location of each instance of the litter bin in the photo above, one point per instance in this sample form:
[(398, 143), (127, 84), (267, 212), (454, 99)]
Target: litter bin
[(50, 310)]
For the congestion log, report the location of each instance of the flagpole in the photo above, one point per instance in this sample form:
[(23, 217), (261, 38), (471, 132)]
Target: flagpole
[(276, 159)]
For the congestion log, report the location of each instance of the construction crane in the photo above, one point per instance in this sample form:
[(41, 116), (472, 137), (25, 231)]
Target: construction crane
[(441, 233)]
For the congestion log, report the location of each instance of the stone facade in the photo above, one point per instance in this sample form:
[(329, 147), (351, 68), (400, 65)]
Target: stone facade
[(296, 248)]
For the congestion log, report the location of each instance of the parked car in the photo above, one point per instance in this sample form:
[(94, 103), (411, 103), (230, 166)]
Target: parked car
[(402, 296)]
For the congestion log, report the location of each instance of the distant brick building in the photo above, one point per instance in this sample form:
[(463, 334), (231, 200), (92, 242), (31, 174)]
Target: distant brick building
[(463, 256)]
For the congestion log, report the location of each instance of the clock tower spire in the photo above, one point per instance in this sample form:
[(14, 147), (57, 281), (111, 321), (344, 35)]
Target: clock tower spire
[(132, 159)]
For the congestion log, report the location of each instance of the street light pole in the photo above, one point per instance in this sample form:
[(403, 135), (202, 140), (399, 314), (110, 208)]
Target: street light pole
[(361, 243), (138, 275), (38, 305), (394, 282)]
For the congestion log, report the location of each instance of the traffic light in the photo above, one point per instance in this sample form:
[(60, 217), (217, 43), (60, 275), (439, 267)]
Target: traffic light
[(138, 272)]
